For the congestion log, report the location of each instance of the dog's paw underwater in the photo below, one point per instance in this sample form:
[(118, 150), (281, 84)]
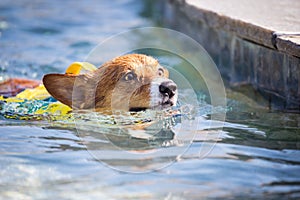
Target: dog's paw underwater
[(124, 85)]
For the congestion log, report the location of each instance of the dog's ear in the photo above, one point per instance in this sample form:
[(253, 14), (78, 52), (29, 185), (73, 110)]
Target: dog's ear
[(68, 89)]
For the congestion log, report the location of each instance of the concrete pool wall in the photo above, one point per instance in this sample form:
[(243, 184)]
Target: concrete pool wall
[(253, 43)]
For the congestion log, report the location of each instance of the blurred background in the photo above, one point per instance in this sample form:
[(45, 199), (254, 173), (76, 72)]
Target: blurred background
[(37, 37)]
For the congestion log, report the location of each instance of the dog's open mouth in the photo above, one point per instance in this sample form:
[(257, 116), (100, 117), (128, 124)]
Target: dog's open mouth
[(165, 104), (137, 109)]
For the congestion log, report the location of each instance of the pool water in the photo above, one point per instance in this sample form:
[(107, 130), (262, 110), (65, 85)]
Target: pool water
[(253, 154)]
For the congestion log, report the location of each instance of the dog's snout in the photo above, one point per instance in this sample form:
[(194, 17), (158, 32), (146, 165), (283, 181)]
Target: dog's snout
[(168, 88)]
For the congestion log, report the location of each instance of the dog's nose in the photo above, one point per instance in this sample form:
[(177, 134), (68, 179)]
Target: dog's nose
[(168, 88)]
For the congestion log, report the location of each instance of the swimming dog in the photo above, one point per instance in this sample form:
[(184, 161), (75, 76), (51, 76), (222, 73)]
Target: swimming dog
[(132, 82)]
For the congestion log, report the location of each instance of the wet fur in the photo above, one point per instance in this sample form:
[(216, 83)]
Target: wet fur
[(105, 88)]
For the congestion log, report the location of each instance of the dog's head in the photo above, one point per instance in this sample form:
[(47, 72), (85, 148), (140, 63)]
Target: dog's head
[(132, 82)]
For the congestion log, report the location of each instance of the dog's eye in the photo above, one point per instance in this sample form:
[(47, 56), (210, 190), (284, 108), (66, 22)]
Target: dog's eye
[(160, 72), (129, 76)]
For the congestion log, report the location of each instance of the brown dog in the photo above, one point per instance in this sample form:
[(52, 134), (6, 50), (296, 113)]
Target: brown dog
[(132, 82)]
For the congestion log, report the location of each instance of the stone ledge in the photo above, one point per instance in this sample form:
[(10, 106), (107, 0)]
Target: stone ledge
[(289, 43), (246, 53), (257, 21)]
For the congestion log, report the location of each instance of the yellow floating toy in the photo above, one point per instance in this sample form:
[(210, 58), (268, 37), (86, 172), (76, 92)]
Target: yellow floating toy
[(37, 101)]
